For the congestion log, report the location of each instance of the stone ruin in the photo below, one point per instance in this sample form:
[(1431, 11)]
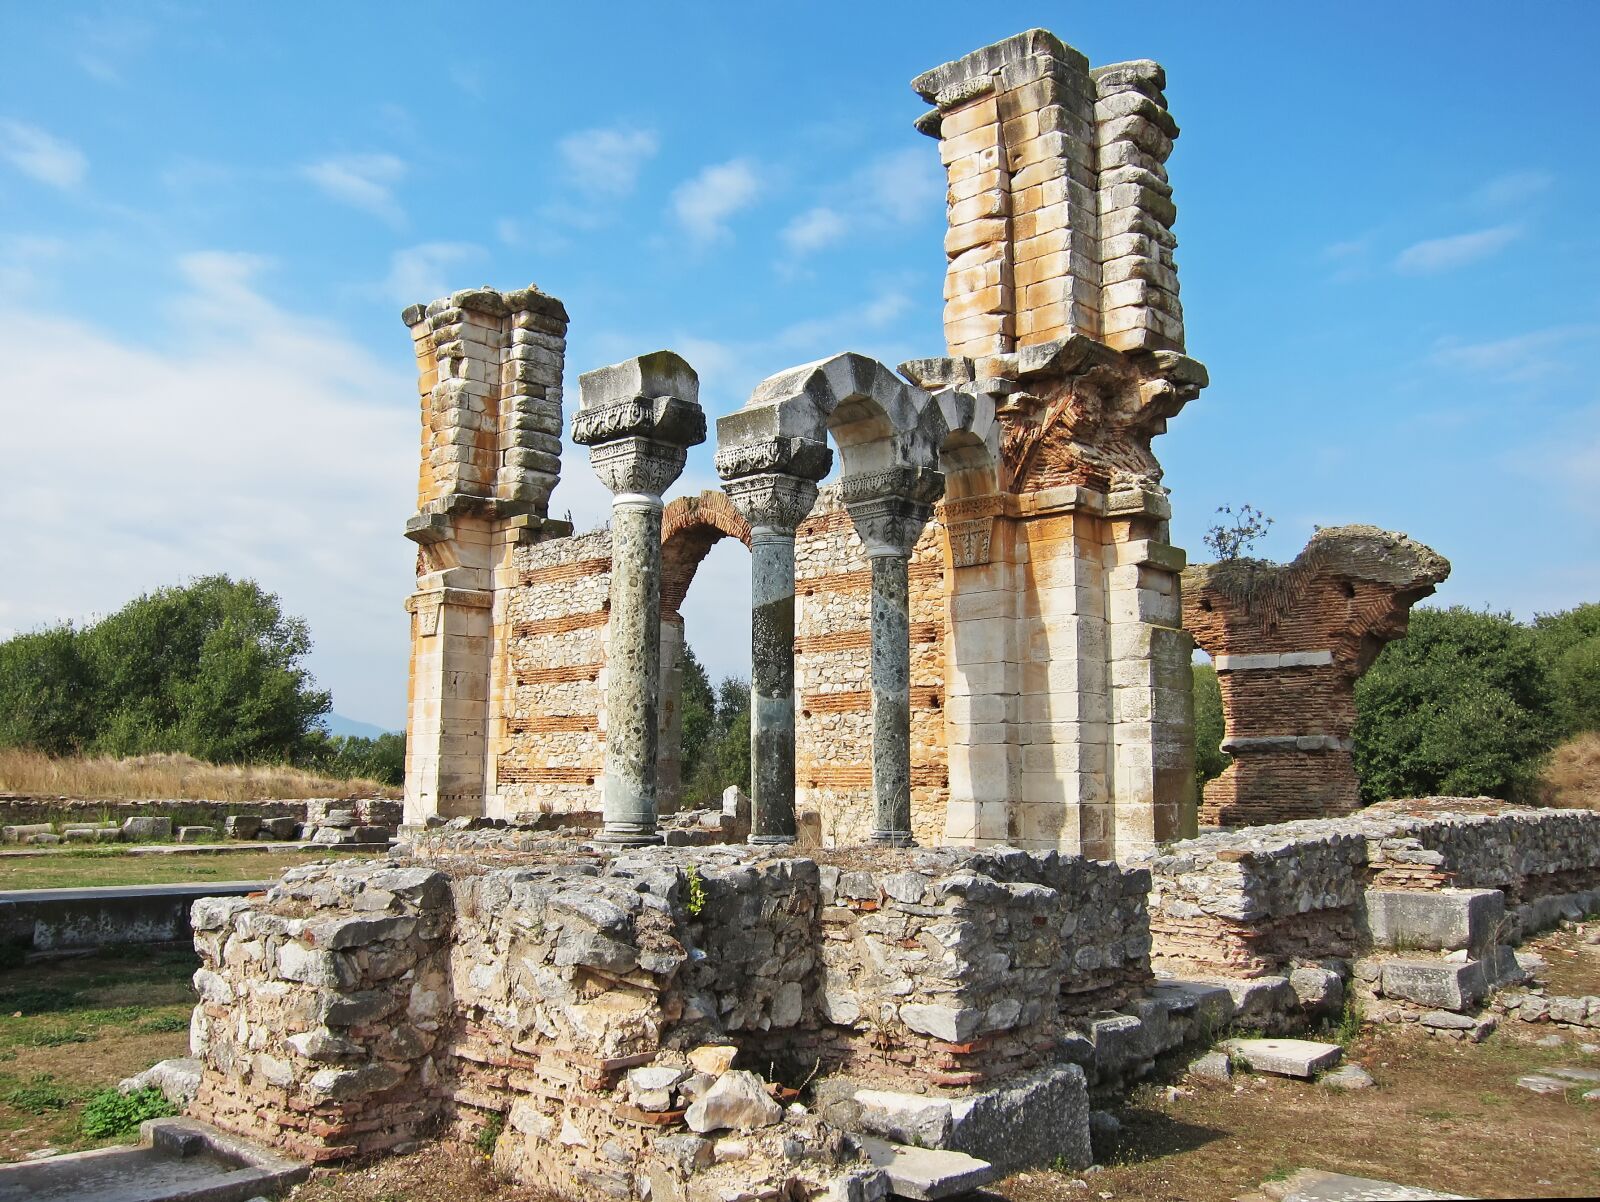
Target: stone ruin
[(971, 642), (973, 638), (1288, 642)]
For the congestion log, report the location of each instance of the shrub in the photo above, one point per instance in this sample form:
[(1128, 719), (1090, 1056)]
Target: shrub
[(39, 1095), (110, 1114)]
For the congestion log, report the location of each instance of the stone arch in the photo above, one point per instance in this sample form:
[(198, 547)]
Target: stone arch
[(690, 527)]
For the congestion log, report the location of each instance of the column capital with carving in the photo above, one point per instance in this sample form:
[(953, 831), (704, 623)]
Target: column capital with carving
[(890, 507)]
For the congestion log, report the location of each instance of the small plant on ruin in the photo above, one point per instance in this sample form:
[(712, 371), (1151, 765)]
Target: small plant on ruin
[(489, 1134), (697, 892), (1350, 1017), (110, 1113), (1240, 533)]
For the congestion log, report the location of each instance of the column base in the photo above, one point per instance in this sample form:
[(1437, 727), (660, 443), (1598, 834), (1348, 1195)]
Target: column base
[(629, 838), (891, 839), (771, 840)]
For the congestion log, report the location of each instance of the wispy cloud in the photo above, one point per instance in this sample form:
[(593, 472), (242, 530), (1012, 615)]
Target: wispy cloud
[(42, 156), (363, 181), (890, 190), (607, 161), (1521, 358), (1513, 189), (22, 256), (109, 40), (421, 273), (1436, 255), (704, 204)]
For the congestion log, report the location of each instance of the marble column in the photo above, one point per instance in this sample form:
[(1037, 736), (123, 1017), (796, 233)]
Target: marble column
[(638, 420), (889, 509), (774, 504)]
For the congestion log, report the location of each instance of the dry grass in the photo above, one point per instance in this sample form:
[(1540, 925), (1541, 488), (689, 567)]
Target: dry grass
[(1572, 777), (169, 777)]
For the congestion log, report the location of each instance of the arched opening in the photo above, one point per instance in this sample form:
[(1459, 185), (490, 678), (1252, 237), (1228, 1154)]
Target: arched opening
[(703, 538)]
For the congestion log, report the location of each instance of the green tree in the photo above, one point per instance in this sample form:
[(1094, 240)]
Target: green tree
[(697, 709), (212, 668), (46, 694), (725, 758), (1461, 705), (1209, 758), (1569, 647), (382, 759)]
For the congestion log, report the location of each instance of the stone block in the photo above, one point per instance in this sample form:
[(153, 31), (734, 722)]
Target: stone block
[(196, 834), (1301, 1058), (1437, 983), (279, 828), (147, 827), (242, 826), (1435, 919), (1214, 1066), (926, 1173)]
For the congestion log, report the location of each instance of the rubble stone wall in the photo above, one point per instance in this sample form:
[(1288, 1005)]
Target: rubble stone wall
[(354, 1007), (1288, 642), (1249, 902)]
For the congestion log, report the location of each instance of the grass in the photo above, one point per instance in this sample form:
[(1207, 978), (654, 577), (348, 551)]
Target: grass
[(69, 870), (71, 1029), (163, 777), (1571, 776)]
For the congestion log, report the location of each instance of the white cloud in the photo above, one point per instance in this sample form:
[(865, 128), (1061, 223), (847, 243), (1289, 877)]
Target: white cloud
[(705, 203), (1443, 254), (42, 156), (421, 273), (607, 161), (1513, 189), (904, 185), (260, 445), (1521, 358), (813, 230), (363, 181), (21, 257)]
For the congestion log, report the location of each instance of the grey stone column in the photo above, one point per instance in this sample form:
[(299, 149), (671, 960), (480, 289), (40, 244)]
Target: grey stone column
[(638, 419), (889, 510), (774, 504)]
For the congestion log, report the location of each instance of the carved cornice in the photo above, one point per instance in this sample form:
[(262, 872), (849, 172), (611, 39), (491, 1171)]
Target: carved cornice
[(666, 419), (799, 457)]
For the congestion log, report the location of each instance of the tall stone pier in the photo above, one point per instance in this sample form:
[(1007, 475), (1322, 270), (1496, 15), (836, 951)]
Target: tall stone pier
[(638, 420)]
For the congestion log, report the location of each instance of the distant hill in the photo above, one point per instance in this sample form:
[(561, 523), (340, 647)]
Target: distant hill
[(338, 724)]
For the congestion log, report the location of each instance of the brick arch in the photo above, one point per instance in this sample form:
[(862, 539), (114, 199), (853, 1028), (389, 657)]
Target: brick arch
[(690, 527)]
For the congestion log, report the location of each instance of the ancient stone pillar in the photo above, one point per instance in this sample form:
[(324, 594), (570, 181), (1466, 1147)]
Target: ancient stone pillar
[(889, 509), (773, 502), (638, 419)]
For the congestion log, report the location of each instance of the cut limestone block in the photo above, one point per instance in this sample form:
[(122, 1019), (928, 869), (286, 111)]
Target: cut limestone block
[(1435, 920), (279, 828), (1347, 1076), (925, 1173), (1303, 1058), (242, 826), (147, 827), (25, 831), (196, 834), (1540, 1083), (1579, 1076), (1437, 983)]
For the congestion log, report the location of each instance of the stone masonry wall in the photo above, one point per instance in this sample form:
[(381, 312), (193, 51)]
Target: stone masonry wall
[(1243, 903), (1289, 642), (354, 1006)]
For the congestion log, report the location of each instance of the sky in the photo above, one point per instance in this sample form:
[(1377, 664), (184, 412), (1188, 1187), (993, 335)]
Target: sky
[(211, 217)]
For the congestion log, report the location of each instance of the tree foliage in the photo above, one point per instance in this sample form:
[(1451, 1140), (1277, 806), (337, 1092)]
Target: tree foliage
[(1462, 705), (212, 668), (382, 759), (1209, 759), (724, 756), (697, 708), (1239, 534), (1569, 649)]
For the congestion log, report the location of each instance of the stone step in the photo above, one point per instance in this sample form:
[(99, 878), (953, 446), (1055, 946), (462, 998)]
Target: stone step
[(1315, 1185), (924, 1174), (1303, 1058)]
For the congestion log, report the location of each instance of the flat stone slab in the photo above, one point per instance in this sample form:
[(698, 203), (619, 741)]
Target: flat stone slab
[(924, 1173), (1314, 1185), (1540, 1083), (175, 1159), (1303, 1058), (1579, 1076)]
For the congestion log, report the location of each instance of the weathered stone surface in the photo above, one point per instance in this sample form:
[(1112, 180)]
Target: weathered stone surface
[(196, 834), (1347, 1076), (178, 1080), (1215, 1066), (1301, 1058), (146, 828), (1434, 920), (923, 1173), (738, 1101), (1436, 983), (242, 826)]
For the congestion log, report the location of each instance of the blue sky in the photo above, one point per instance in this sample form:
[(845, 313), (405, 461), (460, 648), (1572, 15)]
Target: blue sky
[(209, 221)]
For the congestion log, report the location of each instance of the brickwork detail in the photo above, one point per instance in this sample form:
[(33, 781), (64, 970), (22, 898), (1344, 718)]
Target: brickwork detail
[(1289, 642)]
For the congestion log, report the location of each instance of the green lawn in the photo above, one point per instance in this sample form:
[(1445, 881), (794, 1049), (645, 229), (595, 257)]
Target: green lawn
[(108, 866), (73, 1026)]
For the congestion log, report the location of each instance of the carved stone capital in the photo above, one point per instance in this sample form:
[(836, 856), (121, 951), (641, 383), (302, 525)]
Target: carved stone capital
[(890, 507), (665, 419), (772, 500), (641, 466), (800, 457)]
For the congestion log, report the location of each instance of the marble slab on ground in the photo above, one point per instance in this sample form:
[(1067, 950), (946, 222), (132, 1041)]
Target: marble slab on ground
[(1314, 1185), (1303, 1058), (926, 1174)]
